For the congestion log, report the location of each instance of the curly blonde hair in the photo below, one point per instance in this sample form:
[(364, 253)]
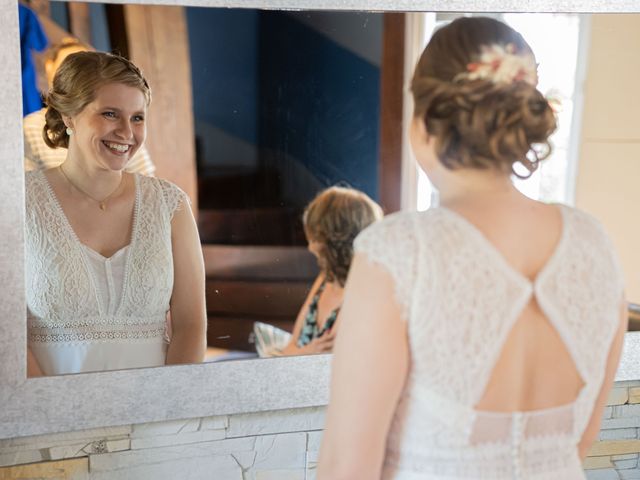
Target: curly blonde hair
[(334, 219), (480, 123), (75, 85)]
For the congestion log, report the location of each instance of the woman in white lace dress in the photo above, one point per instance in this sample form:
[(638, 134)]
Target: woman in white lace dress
[(108, 253), (479, 339)]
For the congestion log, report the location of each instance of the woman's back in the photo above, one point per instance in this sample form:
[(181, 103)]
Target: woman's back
[(534, 369), (510, 318), (505, 330)]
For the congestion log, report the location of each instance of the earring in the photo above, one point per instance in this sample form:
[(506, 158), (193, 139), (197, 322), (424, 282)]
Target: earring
[(69, 131)]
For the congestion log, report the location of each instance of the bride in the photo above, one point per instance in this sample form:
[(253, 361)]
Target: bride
[(108, 253), (479, 339)]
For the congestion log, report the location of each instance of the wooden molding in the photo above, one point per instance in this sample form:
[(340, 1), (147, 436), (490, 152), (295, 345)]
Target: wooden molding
[(80, 21), (391, 100), (158, 43)]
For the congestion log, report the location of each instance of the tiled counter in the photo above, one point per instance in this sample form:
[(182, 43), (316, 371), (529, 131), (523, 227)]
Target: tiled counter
[(267, 446), (277, 445)]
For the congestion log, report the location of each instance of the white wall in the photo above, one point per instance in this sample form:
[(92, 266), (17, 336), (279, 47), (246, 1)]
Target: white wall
[(608, 179)]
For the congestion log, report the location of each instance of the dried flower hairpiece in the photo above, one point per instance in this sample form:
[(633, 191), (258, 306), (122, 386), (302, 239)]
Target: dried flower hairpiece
[(502, 64)]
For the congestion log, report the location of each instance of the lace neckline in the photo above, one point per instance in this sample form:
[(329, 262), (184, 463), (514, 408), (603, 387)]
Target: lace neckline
[(499, 256), (63, 216), (82, 248)]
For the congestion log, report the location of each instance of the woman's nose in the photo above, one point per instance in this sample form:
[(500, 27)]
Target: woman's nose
[(125, 129)]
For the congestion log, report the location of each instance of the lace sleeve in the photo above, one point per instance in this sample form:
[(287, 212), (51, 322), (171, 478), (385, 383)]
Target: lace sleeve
[(614, 261), (174, 197), (391, 243), (601, 246)]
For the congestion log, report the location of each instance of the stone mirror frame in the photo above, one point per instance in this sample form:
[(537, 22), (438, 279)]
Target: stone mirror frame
[(75, 402)]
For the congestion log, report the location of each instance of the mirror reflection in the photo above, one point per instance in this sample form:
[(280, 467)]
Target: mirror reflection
[(253, 115), (271, 127)]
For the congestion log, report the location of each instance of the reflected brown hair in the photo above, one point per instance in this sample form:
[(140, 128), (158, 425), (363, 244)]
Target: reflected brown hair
[(75, 85), (334, 218), (479, 123)]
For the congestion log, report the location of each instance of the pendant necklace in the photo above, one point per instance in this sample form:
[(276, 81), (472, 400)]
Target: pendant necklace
[(101, 203)]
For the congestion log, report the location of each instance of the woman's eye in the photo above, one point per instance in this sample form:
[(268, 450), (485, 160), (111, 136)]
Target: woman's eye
[(138, 118), (109, 114)]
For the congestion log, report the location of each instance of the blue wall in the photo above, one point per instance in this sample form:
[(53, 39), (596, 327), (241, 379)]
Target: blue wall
[(308, 105), (97, 17), (224, 65), (319, 103)]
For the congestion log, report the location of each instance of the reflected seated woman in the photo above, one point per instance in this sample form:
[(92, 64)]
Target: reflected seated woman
[(331, 223), (108, 253)]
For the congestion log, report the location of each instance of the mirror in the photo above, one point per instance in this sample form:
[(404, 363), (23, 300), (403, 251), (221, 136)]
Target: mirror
[(208, 386), (273, 108), (267, 119)]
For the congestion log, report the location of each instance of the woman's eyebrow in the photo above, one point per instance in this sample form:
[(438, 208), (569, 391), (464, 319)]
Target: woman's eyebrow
[(116, 109)]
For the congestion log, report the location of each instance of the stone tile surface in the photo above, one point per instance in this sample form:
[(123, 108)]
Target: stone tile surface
[(619, 434), (597, 462), (74, 469), (280, 475), (283, 451), (299, 420), (70, 438), (603, 474), (210, 467), (618, 396), (615, 447), (177, 439)]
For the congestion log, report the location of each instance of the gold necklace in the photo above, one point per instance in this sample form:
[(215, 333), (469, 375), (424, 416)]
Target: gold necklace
[(101, 203)]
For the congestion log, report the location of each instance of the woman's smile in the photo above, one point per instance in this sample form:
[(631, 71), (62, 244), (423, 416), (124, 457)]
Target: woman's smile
[(110, 129)]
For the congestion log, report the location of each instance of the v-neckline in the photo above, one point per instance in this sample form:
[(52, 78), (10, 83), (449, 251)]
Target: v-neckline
[(499, 256), (60, 210), (83, 247), (529, 287)]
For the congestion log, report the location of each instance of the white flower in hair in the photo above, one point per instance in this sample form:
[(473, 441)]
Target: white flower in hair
[(502, 64)]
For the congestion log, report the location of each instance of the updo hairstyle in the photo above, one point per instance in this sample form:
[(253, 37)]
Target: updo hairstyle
[(333, 219), (480, 122), (75, 85)]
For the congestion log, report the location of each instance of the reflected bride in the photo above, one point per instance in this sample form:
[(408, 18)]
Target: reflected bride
[(108, 253)]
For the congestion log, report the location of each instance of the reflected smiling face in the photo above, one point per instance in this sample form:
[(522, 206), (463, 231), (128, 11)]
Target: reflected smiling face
[(109, 130)]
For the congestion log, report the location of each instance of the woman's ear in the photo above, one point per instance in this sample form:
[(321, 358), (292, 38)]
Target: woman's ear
[(68, 121)]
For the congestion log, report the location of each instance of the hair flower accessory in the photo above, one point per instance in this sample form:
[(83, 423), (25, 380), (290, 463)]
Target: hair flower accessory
[(502, 64)]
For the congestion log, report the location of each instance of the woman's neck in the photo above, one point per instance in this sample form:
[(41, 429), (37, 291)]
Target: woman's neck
[(461, 187), (332, 285), (95, 181)]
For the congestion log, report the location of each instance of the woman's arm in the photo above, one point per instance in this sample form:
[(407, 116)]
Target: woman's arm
[(370, 364), (593, 428), (317, 345), (188, 311)]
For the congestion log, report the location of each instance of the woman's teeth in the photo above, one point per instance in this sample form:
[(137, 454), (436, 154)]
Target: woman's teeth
[(117, 147)]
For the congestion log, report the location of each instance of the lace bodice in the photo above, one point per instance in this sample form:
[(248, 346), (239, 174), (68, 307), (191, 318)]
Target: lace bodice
[(64, 301), (461, 299)]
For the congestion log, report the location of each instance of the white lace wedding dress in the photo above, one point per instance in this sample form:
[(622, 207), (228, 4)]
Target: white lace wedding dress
[(89, 313), (461, 298)]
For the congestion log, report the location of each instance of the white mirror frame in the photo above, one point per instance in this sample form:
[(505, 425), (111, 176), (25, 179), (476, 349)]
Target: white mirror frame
[(75, 402)]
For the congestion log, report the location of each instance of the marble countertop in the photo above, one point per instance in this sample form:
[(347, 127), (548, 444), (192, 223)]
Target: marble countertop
[(629, 368)]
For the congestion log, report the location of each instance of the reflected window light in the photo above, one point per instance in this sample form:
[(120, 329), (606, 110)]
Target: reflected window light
[(559, 44)]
